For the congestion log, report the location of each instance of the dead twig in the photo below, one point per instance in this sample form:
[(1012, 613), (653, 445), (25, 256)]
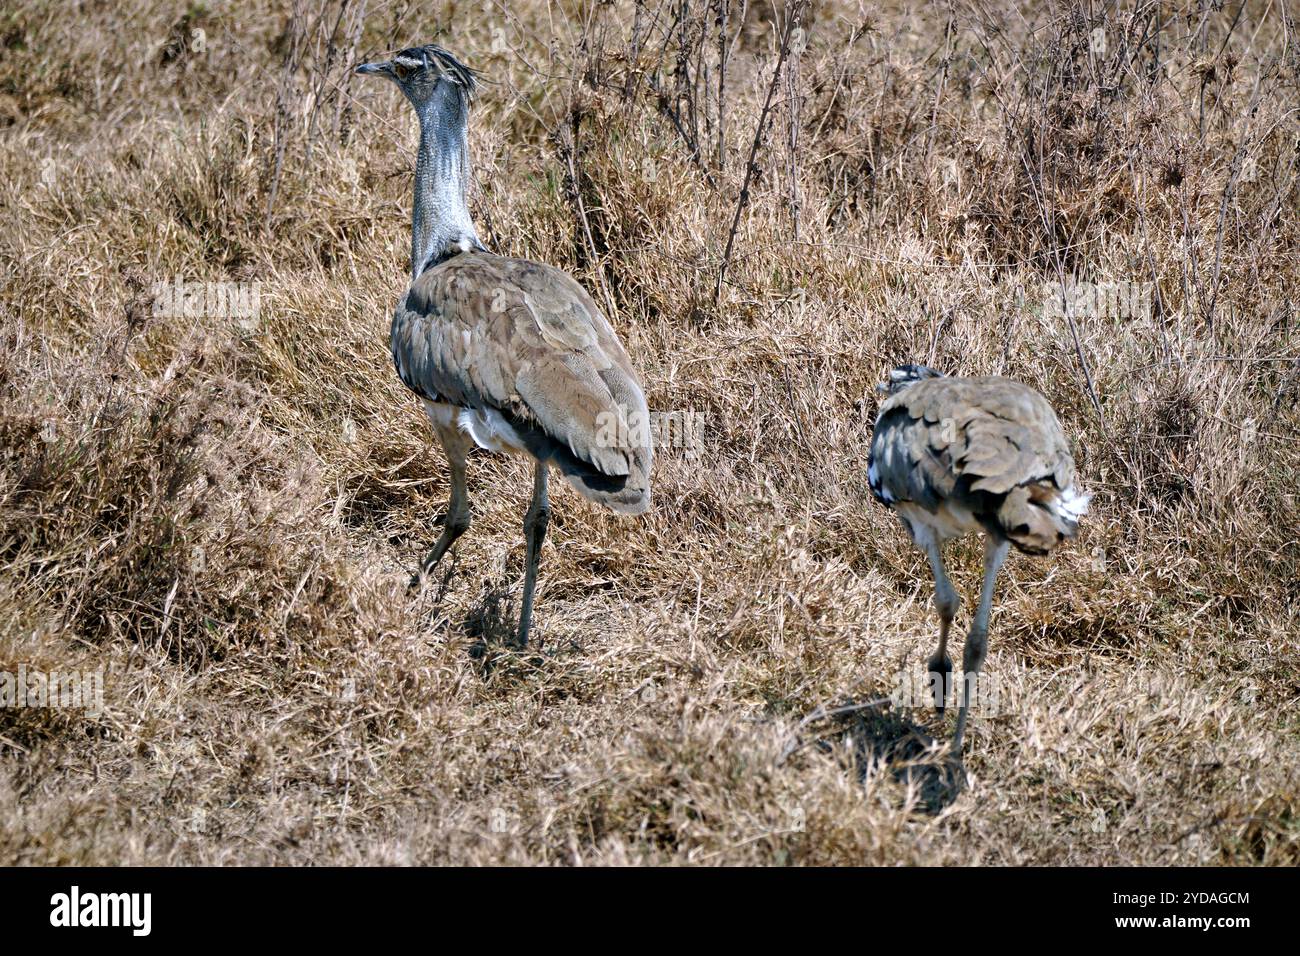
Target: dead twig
[(751, 167)]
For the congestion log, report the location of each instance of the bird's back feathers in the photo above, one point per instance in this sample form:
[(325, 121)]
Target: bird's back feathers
[(988, 446), (525, 340)]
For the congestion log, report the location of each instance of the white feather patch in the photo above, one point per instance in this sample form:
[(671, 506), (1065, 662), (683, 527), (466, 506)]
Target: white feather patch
[(1071, 504)]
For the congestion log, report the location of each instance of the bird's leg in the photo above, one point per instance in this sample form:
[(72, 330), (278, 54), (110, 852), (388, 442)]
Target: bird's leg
[(977, 641), (457, 446), (946, 603), (535, 522)]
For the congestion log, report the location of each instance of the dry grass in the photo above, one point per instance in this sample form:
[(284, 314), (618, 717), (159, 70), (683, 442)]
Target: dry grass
[(220, 515)]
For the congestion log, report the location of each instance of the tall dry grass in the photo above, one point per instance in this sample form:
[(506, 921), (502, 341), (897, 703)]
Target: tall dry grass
[(219, 514)]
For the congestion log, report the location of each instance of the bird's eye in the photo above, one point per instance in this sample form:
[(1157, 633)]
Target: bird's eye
[(402, 71)]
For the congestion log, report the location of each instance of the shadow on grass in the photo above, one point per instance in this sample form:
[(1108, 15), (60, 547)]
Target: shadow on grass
[(882, 738), (886, 738), (492, 624)]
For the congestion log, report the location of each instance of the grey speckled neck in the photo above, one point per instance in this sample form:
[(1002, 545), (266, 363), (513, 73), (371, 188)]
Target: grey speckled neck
[(440, 220)]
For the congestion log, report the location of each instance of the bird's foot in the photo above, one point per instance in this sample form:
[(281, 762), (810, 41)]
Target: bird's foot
[(416, 584), (424, 574), (953, 774), (940, 676)]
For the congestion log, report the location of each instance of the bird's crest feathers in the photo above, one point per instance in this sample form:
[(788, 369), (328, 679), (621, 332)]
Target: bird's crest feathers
[(433, 57), (901, 376)]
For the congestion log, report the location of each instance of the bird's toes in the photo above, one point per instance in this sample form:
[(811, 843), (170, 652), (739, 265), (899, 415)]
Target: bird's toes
[(954, 776), (416, 584), (940, 673)]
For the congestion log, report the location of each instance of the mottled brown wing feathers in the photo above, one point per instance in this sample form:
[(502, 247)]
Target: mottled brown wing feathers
[(524, 338), (998, 432), (991, 443)]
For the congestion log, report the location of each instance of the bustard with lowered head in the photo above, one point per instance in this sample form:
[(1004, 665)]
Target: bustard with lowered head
[(951, 456), (509, 355)]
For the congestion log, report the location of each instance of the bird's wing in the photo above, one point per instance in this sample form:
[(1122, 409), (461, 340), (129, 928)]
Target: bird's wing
[(481, 330), (905, 466), (991, 435), (1009, 437)]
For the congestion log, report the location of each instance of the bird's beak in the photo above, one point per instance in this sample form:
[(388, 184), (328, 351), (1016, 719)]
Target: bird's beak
[(381, 68)]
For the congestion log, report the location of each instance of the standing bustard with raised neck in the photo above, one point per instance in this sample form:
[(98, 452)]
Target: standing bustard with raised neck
[(951, 456), (509, 355)]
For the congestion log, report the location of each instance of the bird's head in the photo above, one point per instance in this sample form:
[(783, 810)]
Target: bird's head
[(426, 73), (901, 376)]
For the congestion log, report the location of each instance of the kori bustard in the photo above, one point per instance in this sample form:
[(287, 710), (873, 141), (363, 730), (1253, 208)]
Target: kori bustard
[(951, 456), (509, 355)]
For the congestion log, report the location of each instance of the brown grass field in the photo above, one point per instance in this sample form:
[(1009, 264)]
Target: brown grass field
[(218, 514)]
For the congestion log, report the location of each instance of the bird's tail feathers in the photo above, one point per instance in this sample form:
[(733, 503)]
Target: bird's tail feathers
[(1038, 517), (1071, 505), (625, 494)]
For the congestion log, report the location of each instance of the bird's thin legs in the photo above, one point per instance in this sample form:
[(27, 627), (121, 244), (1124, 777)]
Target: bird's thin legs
[(535, 522), (946, 603), (977, 641), (457, 446)]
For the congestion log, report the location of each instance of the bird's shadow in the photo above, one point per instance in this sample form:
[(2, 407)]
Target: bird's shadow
[(492, 626), (491, 622), (888, 739), (884, 738)]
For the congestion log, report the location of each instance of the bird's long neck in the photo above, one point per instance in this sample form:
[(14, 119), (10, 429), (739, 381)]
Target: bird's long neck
[(440, 221)]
